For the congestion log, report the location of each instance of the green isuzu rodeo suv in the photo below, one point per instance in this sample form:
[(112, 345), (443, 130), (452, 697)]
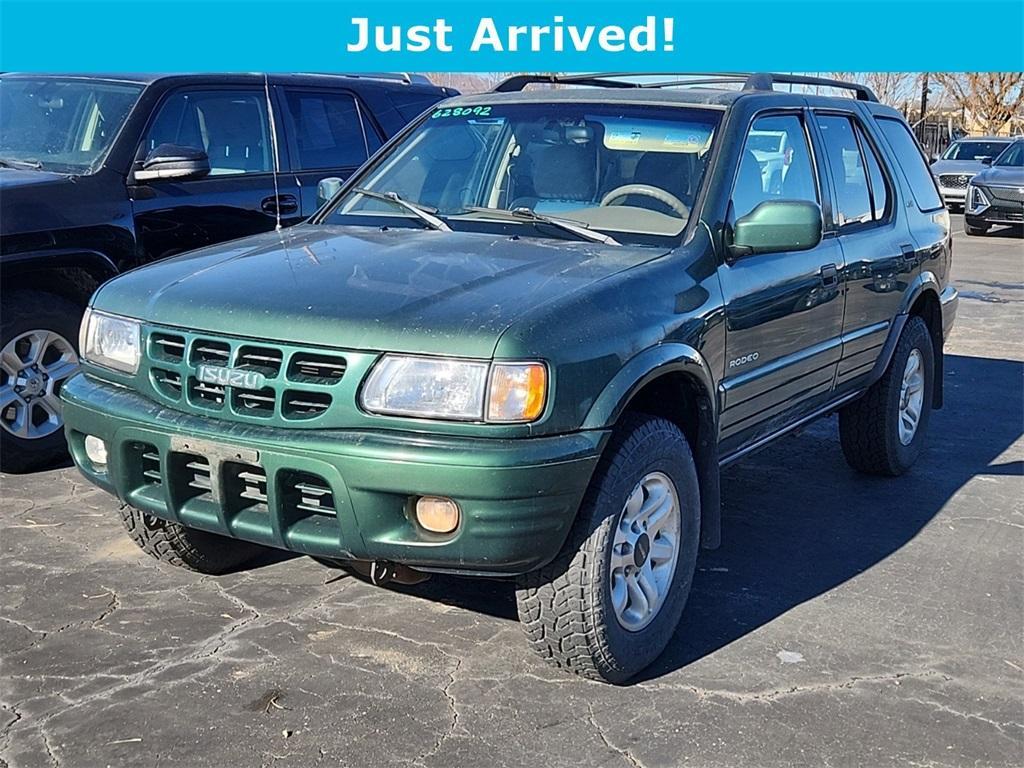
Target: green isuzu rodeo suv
[(522, 340)]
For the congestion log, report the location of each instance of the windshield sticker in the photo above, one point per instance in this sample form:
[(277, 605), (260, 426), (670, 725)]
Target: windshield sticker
[(654, 135), (461, 112)]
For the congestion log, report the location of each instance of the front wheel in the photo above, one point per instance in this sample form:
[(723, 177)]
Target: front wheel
[(883, 432), (186, 548), (609, 603), (38, 353)]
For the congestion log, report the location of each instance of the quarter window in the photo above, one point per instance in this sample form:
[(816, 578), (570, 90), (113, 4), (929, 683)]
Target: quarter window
[(328, 130), (911, 161), (230, 126), (775, 165)]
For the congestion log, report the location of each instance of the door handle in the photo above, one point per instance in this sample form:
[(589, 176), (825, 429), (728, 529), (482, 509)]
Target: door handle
[(280, 204), (909, 255), (829, 275)]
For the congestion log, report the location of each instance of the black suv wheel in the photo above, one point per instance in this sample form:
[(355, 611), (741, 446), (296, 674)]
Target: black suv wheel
[(38, 352), (607, 606), (883, 432)]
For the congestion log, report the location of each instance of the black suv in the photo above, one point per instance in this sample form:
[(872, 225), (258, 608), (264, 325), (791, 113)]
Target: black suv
[(99, 174)]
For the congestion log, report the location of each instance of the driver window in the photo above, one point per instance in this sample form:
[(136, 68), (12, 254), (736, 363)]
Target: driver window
[(775, 165), (230, 126)]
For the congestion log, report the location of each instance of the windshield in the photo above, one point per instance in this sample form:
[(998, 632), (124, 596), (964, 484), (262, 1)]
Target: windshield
[(63, 125), (1012, 157), (973, 150), (631, 172)]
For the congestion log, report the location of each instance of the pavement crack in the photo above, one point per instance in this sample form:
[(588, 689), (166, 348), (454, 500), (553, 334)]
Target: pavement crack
[(453, 709), (625, 754)]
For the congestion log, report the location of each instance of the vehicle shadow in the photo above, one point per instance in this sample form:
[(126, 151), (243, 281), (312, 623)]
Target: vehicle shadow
[(798, 521)]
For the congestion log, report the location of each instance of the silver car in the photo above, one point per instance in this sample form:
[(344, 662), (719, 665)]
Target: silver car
[(961, 161)]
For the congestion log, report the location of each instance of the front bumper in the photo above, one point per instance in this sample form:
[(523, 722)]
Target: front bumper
[(953, 196), (518, 497)]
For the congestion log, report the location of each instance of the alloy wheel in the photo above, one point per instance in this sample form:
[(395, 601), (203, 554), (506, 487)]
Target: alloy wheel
[(33, 367)]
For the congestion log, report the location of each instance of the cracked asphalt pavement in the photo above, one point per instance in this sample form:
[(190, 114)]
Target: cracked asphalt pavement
[(845, 621)]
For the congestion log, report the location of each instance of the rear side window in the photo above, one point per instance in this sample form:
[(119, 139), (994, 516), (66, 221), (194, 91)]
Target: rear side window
[(328, 130), (911, 161), (853, 200)]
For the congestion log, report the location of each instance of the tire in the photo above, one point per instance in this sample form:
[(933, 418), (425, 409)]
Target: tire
[(29, 315), (566, 608), (869, 428), (975, 231), (187, 548)]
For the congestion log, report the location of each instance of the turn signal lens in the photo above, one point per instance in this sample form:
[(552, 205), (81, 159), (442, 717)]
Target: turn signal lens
[(437, 514), (517, 392)]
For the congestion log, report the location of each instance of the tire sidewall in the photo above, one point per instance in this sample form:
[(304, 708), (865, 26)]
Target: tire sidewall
[(915, 336), (666, 451)]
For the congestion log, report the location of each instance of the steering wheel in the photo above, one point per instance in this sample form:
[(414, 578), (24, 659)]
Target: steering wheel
[(647, 190)]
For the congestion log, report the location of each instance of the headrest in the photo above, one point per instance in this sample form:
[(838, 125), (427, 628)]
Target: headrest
[(566, 172)]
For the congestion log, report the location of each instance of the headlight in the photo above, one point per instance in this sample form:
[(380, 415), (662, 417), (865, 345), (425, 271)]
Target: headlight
[(459, 390), (110, 341), (977, 200)]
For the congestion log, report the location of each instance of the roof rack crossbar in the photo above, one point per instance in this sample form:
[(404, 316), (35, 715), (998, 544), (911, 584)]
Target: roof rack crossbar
[(760, 81), (764, 81)]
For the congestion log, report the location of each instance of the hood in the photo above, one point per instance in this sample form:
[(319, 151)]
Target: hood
[(957, 166), (405, 290), (11, 178), (1001, 175)]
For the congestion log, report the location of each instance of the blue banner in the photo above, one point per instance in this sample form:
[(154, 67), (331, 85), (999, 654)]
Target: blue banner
[(526, 35)]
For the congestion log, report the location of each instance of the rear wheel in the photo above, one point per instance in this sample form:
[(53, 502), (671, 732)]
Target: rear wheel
[(611, 600), (38, 353), (883, 432), (187, 548)]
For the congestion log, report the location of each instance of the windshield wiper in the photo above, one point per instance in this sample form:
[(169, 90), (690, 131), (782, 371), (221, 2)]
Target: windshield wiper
[(525, 214), (419, 211), (32, 165)]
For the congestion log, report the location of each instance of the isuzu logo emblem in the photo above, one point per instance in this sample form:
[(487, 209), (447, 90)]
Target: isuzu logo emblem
[(230, 377)]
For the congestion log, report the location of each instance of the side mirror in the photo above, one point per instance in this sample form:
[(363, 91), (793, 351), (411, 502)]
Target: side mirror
[(985, 160), (775, 226), (934, 159), (327, 189), (170, 161)]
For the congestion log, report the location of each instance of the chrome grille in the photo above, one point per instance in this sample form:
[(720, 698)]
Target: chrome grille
[(954, 180), (1006, 194)]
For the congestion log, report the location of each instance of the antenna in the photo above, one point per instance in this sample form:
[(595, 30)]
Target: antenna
[(273, 144)]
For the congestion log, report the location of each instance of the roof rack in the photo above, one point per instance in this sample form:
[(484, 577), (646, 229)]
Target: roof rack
[(402, 77), (759, 81)]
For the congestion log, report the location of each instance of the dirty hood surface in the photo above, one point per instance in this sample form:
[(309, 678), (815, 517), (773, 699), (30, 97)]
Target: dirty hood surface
[(365, 288)]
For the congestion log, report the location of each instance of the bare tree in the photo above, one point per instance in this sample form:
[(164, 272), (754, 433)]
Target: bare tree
[(992, 98), (892, 88)]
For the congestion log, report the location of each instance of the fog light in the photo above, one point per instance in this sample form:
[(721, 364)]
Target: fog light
[(96, 450), (437, 514)]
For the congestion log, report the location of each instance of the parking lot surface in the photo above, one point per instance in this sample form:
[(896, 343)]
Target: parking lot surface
[(845, 621)]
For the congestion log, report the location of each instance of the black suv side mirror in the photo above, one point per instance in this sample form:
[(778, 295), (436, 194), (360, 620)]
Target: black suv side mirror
[(170, 161), (775, 226)]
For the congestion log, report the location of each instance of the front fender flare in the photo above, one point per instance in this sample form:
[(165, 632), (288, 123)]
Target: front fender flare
[(644, 368)]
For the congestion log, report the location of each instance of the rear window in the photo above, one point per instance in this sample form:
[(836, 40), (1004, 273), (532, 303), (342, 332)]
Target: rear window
[(911, 161)]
